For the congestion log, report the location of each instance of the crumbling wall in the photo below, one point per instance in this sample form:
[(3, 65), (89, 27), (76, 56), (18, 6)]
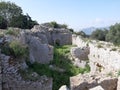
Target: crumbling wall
[(52, 34), (103, 56), (88, 81), (107, 59), (12, 79)]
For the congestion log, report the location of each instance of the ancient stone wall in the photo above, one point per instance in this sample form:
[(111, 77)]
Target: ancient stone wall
[(77, 40), (103, 56), (12, 79), (88, 81), (54, 35)]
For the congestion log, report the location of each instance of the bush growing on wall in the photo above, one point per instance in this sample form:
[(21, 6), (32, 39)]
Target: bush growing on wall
[(18, 49), (10, 31)]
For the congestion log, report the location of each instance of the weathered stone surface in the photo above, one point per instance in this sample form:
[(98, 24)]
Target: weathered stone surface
[(97, 88), (12, 79), (77, 40), (59, 36), (42, 53), (64, 87), (87, 81), (80, 55), (118, 84), (108, 83), (102, 56)]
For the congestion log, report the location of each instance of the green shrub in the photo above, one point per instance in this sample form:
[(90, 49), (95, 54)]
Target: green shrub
[(54, 24), (10, 31), (5, 49), (18, 49), (119, 73)]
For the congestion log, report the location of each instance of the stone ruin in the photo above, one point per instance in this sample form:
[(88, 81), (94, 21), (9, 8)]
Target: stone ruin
[(40, 41), (104, 62), (89, 82), (11, 79), (53, 36)]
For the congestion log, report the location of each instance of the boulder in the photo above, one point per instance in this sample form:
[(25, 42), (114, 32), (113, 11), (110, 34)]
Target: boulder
[(108, 83), (39, 49), (88, 81), (80, 55)]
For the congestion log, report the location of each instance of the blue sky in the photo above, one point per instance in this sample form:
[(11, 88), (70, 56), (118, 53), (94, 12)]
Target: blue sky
[(76, 14)]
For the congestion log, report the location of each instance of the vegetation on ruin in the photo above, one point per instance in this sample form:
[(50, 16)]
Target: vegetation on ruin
[(15, 49), (61, 61), (11, 31)]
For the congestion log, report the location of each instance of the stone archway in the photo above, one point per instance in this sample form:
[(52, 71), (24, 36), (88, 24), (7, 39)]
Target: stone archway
[(57, 42)]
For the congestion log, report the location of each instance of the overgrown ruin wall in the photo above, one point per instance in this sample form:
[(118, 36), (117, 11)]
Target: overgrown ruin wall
[(104, 61), (52, 36), (103, 56), (11, 79)]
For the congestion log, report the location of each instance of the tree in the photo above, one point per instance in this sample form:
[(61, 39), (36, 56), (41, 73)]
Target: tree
[(3, 23), (81, 33), (114, 34), (99, 34), (11, 15), (64, 26), (9, 10), (22, 21), (71, 30), (54, 24)]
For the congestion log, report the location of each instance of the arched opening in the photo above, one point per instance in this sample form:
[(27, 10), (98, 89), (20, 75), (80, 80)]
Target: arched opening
[(57, 42)]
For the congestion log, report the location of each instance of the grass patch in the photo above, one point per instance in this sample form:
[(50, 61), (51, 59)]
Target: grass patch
[(61, 60)]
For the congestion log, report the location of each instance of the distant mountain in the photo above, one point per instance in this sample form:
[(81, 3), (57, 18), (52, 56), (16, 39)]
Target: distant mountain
[(89, 30)]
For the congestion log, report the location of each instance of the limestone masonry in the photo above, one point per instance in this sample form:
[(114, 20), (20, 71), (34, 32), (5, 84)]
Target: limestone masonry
[(104, 61), (102, 57), (39, 40)]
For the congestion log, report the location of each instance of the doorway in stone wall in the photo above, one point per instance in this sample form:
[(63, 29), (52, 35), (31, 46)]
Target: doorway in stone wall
[(57, 42)]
